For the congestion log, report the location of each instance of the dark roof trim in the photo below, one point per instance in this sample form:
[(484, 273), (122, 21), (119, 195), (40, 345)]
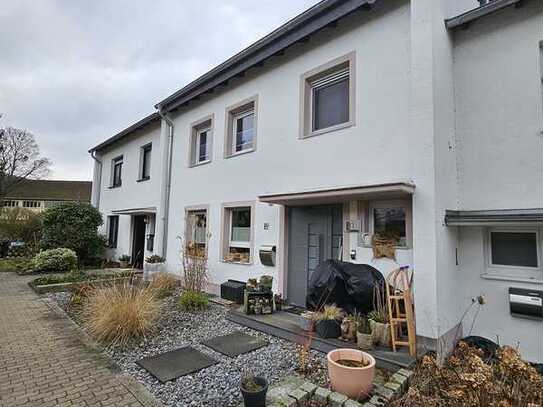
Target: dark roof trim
[(136, 126), (317, 17), (493, 217), (479, 12)]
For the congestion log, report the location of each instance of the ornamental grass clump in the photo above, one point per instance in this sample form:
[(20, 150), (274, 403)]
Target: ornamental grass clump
[(193, 301), (164, 284), (121, 313)]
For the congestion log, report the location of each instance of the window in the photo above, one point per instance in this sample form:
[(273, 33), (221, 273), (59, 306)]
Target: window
[(116, 172), (514, 248), (238, 234), (201, 141), (146, 162), (196, 234), (112, 231), (10, 204), (241, 128), (391, 220), (328, 97), (31, 204)]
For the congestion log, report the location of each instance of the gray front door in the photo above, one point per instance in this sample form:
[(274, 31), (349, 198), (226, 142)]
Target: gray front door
[(315, 235)]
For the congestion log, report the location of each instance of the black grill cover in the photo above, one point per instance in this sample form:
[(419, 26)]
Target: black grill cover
[(350, 286)]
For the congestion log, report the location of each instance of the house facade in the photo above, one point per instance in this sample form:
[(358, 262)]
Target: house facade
[(419, 121)]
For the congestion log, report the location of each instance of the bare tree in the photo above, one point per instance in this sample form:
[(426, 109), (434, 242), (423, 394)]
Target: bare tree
[(20, 159)]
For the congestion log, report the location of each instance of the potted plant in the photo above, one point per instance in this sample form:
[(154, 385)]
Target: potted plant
[(265, 283), (351, 372), (364, 338), (124, 261), (379, 322), (153, 264), (327, 322), (307, 320), (254, 389)]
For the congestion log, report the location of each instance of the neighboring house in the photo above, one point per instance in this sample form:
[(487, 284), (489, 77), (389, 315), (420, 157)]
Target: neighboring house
[(417, 118), (38, 195)]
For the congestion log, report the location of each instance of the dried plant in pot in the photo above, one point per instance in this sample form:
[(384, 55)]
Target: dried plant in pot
[(327, 323), (254, 389), (364, 337), (378, 318)]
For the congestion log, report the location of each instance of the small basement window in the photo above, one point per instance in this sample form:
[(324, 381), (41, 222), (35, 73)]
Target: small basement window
[(238, 223), (241, 127), (514, 249)]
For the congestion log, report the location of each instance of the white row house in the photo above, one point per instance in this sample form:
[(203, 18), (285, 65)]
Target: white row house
[(416, 119)]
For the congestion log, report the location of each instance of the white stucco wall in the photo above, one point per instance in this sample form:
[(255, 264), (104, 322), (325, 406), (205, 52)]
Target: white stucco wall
[(131, 194), (499, 120), (374, 150)]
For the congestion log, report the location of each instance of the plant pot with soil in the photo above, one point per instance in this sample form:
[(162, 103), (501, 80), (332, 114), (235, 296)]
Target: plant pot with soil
[(253, 389), (379, 323), (152, 265), (364, 337), (124, 261), (351, 372), (328, 323)]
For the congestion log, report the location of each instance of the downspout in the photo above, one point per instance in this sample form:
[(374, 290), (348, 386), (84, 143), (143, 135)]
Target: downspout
[(97, 187), (168, 183)]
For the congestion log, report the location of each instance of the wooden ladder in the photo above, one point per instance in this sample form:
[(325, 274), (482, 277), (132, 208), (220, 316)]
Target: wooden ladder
[(401, 309)]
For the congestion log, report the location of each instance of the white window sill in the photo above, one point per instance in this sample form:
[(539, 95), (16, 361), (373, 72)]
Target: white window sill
[(532, 280), (395, 247), (200, 163), (237, 153), (330, 129), (240, 263)]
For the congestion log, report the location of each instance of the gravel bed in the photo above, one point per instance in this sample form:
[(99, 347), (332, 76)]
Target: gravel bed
[(217, 385)]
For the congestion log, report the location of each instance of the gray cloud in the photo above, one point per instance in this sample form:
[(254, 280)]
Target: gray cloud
[(75, 72)]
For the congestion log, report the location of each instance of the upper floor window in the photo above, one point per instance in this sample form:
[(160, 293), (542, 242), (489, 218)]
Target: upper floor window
[(241, 127), (112, 231), (201, 141), (145, 162), (328, 97), (116, 171), (31, 204)]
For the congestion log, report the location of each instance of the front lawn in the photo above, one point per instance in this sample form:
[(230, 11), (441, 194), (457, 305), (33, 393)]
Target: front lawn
[(14, 264)]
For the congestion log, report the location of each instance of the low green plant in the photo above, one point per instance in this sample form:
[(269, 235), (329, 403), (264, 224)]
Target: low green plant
[(78, 276), (193, 301), (18, 265), (124, 257), (55, 260)]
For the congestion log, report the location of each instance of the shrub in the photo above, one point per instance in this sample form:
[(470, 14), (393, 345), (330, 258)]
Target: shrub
[(60, 260), (193, 301), (164, 284), (120, 313), (75, 226)]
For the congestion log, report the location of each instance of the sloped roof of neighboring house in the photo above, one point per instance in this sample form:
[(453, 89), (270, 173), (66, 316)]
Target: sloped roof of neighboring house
[(479, 12), (324, 14), (49, 190)]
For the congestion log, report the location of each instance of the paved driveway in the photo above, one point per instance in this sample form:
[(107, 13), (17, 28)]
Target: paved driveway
[(45, 362)]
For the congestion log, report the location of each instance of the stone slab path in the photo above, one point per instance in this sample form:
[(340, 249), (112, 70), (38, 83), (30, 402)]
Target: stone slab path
[(45, 360)]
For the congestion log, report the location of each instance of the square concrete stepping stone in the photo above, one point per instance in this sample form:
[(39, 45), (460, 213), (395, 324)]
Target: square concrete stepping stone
[(176, 363), (235, 344)]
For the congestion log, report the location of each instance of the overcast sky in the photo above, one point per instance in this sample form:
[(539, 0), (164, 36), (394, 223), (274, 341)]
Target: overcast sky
[(74, 72)]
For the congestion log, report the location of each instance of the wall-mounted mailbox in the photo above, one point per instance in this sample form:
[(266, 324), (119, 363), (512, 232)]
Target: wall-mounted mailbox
[(526, 303), (267, 254)]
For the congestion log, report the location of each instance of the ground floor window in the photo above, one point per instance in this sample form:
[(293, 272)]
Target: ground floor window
[(31, 204), (112, 231), (514, 248), (196, 232), (391, 221), (238, 234)]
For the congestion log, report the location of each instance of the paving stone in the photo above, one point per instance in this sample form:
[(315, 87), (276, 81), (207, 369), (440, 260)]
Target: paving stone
[(299, 395), (383, 392), (322, 394), (405, 372), (401, 380), (337, 399), (352, 403), (378, 401), (47, 364), (395, 387), (309, 387)]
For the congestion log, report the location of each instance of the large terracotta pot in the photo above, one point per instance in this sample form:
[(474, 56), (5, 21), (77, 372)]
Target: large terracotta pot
[(354, 382)]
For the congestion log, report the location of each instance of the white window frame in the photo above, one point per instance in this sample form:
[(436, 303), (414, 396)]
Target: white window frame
[(197, 145), (226, 231), (496, 268), (114, 162), (147, 148), (196, 129), (197, 209), (234, 112), (315, 85), (235, 118), (396, 203), (318, 74)]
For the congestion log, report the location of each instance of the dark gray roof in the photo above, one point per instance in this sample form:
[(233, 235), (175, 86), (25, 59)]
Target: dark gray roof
[(136, 126), (495, 216), (51, 190), (321, 15), (479, 12)]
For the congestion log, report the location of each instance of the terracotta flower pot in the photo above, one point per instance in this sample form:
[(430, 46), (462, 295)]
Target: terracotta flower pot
[(354, 382)]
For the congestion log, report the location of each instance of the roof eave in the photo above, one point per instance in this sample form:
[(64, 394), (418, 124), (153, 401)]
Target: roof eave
[(479, 12)]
